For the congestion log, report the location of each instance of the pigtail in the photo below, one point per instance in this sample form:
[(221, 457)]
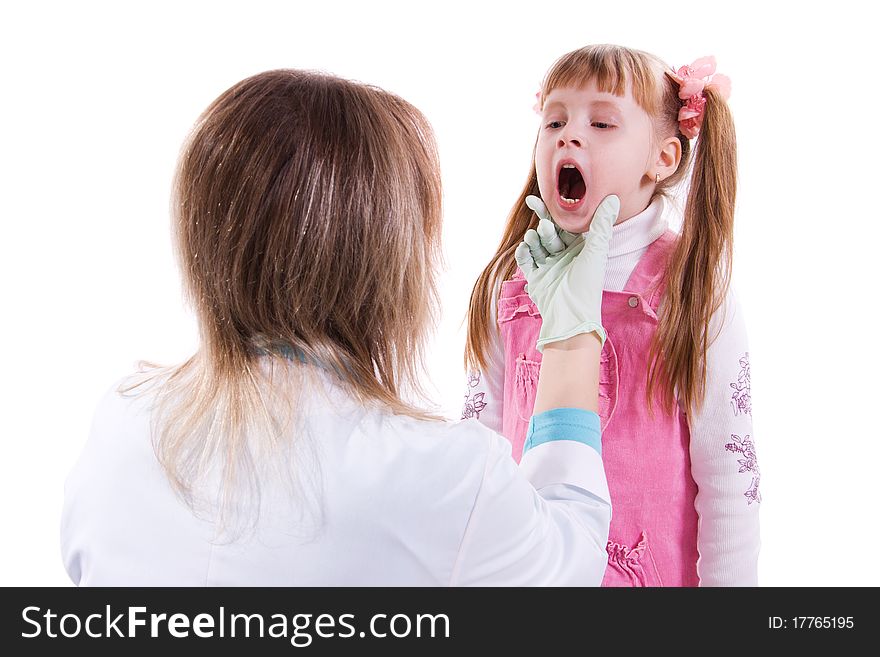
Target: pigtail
[(699, 267), (500, 268)]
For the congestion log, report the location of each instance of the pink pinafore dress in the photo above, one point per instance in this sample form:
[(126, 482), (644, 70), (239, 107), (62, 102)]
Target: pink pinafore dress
[(653, 535)]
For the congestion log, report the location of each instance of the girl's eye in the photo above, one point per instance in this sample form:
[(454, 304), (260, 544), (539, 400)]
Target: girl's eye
[(555, 124), (601, 125)]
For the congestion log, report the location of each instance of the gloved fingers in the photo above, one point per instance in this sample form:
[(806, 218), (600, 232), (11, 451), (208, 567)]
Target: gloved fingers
[(524, 259), (602, 223), (537, 206), (539, 253), (549, 237), (562, 261)]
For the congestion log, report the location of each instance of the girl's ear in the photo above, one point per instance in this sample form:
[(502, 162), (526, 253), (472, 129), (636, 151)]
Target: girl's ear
[(668, 158)]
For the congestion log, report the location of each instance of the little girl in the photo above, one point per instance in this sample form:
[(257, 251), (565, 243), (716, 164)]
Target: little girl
[(674, 393)]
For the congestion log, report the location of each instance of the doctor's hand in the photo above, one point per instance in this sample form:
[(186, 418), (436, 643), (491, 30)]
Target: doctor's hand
[(565, 273)]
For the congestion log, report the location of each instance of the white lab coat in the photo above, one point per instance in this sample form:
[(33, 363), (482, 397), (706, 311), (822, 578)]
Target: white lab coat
[(385, 500)]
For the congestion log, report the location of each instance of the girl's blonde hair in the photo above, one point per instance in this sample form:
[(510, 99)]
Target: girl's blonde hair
[(307, 215), (698, 271)]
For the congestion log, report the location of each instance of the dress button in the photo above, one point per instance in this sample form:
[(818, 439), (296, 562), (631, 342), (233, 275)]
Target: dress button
[(633, 302)]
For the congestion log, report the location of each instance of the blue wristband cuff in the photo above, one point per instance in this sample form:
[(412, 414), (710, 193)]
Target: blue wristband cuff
[(564, 424)]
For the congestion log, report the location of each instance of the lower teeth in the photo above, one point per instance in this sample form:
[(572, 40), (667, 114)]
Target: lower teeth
[(570, 201)]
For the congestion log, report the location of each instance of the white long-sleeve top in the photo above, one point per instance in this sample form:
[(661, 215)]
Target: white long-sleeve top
[(381, 499), (722, 450)]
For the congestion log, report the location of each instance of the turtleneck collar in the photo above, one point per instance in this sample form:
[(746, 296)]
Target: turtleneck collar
[(639, 231)]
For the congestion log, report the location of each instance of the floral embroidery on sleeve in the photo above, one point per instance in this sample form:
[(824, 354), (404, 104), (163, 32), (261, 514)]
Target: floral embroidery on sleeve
[(746, 447), (473, 405), (741, 399)]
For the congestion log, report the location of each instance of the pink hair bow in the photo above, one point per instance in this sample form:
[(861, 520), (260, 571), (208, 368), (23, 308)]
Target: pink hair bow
[(692, 80), (538, 103)]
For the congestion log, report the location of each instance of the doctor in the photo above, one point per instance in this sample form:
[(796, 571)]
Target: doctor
[(288, 449)]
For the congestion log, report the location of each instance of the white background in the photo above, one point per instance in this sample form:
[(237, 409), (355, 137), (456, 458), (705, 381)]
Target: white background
[(97, 98)]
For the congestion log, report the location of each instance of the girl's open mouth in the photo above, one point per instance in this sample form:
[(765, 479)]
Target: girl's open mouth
[(570, 186)]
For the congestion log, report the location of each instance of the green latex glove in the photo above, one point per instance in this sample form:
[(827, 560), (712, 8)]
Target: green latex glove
[(565, 273)]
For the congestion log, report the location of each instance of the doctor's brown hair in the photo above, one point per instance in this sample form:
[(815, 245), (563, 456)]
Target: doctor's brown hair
[(307, 217), (698, 271)]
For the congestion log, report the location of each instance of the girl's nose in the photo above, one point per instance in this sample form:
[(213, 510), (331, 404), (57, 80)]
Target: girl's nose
[(568, 139)]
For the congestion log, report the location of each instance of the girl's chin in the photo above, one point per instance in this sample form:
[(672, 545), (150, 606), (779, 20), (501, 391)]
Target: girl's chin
[(573, 222), (579, 226)]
